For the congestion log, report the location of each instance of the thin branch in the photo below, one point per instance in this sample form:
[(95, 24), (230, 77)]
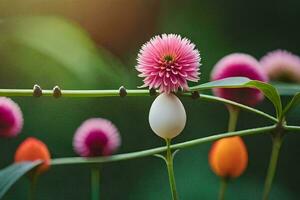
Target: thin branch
[(292, 128), (150, 152), (116, 93), (244, 107)]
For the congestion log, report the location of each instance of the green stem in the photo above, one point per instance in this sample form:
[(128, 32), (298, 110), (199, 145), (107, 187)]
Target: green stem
[(33, 181), (238, 105), (233, 117), (223, 187), (232, 122), (95, 183), (292, 128), (115, 93), (169, 162), (277, 141), (150, 152)]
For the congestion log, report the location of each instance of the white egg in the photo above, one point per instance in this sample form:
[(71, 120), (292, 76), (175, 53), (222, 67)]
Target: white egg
[(167, 116)]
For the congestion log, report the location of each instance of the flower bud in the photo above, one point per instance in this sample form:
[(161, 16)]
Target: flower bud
[(228, 157), (167, 116), (33, 149)]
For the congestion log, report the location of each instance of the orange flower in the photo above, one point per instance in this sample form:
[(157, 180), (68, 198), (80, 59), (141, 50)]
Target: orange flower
[(228, 157), (33, 149)]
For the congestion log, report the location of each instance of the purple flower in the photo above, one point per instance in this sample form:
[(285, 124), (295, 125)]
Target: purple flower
[(282, 65), (244, 65), (167, 62), (11, 118), (96, 137)]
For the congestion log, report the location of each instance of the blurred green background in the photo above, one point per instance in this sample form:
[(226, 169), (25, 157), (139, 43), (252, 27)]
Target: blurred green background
[(93, 44)]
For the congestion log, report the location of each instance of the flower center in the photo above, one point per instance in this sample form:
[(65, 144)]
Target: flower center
[(285, 77), (168, 58), (96, 141), (6, 120), (169, 68)]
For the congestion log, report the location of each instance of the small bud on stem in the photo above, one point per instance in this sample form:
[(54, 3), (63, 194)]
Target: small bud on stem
[(122, 91), (56, 92), (37, 91)]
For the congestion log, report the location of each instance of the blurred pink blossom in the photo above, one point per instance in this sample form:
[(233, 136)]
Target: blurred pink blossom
[(282, 65), (11, 118), (96, 137), (238, 64)]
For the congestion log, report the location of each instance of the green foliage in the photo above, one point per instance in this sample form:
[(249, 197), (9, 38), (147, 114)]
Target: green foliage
[(52, 45), (241, 82), (13, 173), (286, 89), (217, 30), (292, 104), (235, 82)]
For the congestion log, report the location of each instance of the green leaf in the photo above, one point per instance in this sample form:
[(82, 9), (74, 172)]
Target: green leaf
[(292, 104), (287, 89), (12, 173), (242, 82), (61, 43)]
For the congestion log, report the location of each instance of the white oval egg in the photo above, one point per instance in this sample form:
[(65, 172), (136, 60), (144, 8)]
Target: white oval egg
[(167, 116)]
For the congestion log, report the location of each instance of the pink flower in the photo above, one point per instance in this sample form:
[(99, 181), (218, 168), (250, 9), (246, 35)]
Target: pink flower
[(96, 137), (167, 62), (244, 65), (11, 118), (282, 65)]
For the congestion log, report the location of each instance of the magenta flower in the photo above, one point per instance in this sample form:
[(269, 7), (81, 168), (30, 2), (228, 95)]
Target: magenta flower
[(282, 65), (11, 118), (96, 137), (167, 62), (244, 65)]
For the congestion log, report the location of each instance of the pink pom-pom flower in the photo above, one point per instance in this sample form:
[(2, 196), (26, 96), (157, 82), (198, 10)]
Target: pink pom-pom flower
[(238, 64), (11, 118), (96, 137), (282, 65), (167, 62)]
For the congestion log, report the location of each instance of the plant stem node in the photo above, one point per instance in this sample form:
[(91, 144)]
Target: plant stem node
[(152, 92), (195, 95)]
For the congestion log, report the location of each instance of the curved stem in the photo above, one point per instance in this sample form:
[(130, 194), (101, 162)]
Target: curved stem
[(241, 106), (115, 93), (277, 141), (95, 185), (150, 152), (169, 162), (223, 187)]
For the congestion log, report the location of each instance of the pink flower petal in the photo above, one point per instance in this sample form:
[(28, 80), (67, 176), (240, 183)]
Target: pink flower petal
[(166, 62)]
